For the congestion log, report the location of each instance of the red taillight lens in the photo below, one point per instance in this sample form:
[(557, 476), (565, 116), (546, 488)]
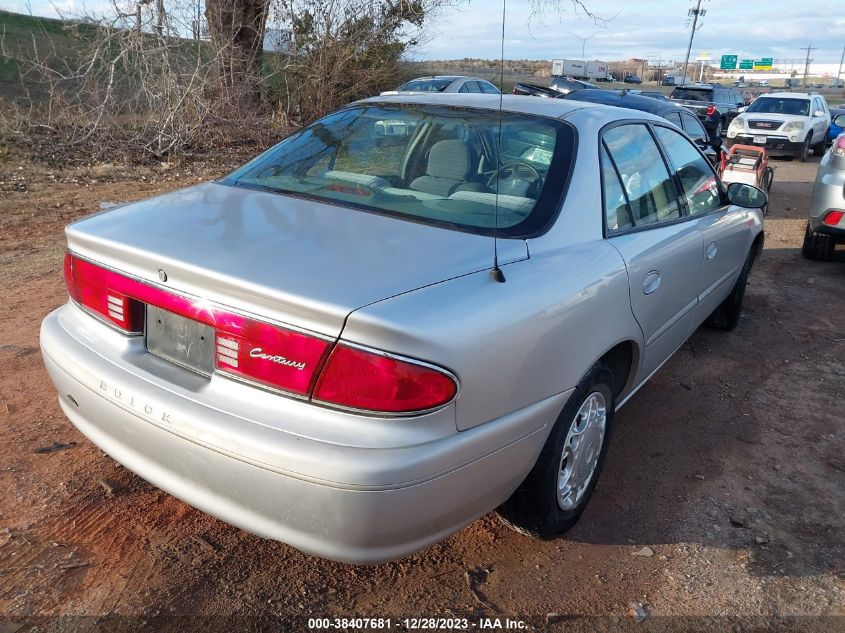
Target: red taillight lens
[(833, 217), (266, 354), (711, 109), (365, 380), (270, 355), (99, 290)]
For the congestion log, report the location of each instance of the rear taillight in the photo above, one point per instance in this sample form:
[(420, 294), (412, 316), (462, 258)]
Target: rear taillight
[(269, 355), (839, 147), (361, 379), (711, 109), (98, 290), (833, 217)]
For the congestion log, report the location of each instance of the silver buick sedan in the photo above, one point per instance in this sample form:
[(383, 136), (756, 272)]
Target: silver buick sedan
[(413, 311)]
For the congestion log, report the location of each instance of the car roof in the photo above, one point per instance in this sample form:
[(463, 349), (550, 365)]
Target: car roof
[(555, 108), (794, 95), (623, 99), (447, 77)]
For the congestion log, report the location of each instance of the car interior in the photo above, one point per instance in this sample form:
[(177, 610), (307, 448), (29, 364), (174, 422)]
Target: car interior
[(443, 168)]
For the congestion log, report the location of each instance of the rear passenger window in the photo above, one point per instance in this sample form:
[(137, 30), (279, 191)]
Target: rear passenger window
[(488, 89), (697, 177), (645, 179), (617, 215), (673, 117), (470, 86)]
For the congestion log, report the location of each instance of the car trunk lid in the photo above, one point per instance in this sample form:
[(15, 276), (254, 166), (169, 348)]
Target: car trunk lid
[(281, 258)]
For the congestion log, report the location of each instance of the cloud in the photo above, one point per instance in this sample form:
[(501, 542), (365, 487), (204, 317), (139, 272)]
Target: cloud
[(778, 29)]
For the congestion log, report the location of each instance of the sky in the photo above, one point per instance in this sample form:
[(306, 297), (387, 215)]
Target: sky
[(631, 28)]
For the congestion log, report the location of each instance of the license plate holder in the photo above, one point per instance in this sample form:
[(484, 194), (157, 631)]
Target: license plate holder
[(180, 340), (760, 139)]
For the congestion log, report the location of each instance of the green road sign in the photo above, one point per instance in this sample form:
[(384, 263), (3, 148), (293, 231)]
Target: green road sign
[(746, 64), (728, 62)]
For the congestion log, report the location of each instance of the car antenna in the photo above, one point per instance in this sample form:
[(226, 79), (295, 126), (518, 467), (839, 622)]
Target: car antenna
[(497, 273)]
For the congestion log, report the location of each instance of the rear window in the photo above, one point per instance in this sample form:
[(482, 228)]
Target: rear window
[(425, 85), (777, 105), (433, 164), (692, 94)]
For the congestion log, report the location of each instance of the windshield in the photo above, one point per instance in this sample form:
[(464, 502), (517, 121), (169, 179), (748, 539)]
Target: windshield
[(773, 105), (432, 164), (692, 94), (425, 85)]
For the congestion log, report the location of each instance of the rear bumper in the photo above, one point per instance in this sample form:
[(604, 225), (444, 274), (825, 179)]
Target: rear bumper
[(350, 503)]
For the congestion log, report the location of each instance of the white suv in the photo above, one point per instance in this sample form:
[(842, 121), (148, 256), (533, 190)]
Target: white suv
[(788, 123)]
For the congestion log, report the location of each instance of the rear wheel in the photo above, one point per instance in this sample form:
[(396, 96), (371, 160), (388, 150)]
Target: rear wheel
[(556, 491), (817, 246), (726, 316), (805, 149)]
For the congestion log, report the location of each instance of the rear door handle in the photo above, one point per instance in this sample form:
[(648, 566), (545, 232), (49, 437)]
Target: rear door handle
[(711, 251), (651, 282)]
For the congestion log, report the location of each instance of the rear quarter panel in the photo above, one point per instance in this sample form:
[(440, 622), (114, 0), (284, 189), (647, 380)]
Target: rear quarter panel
[(510, 344)]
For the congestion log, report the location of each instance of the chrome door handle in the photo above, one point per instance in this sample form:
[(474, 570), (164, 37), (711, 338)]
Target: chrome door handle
[(651, 282), (711, 251)]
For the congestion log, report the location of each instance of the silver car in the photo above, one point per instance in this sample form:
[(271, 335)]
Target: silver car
[(445, 84), (826, 225), (361, 341)]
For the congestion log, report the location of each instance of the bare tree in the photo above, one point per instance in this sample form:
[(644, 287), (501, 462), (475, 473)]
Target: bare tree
[(237, 34), (342, 50)]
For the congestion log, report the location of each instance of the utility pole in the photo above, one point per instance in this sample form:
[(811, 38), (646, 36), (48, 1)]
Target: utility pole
[(807, 61), (839, 72), (695, 13)]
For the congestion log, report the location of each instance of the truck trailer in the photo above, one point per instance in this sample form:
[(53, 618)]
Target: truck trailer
[(579, 69)]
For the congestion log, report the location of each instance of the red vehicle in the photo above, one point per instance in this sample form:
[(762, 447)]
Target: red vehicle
[(748, 164)]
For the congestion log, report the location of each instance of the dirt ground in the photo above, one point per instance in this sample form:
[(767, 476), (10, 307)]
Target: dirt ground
[(722, 505)]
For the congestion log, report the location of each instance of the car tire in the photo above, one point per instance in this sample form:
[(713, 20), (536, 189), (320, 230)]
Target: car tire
[(817, 246), (805, 149), (546, 504), (726, 316)]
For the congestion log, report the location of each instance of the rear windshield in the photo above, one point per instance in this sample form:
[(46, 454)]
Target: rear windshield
[(433, 164), (425, 85), (692, 94), (775, 105)]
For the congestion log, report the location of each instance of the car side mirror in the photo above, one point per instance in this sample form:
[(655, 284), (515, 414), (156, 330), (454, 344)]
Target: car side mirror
[(818, 113), (743, 108), (744, 195), (839, 121)]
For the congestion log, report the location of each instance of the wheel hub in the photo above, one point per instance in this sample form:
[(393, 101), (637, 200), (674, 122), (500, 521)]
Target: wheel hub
[(581, 451)]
